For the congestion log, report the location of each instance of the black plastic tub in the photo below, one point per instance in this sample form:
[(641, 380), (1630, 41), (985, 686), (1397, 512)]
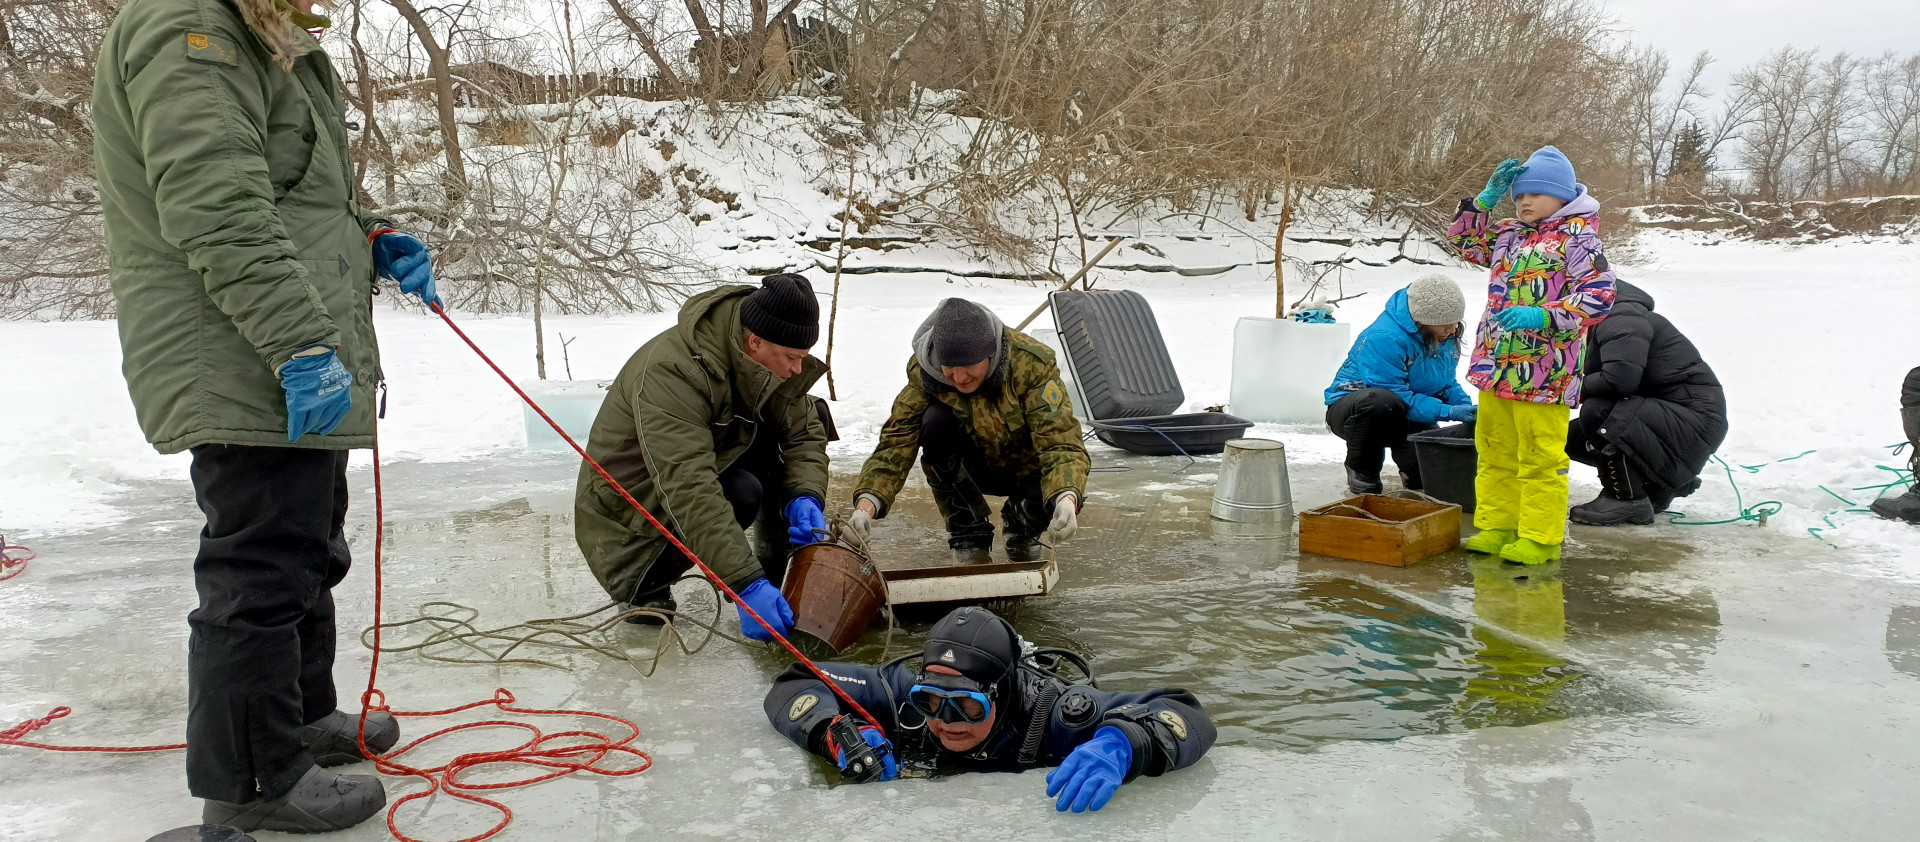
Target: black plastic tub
[(1192, 433), (1448, 460)]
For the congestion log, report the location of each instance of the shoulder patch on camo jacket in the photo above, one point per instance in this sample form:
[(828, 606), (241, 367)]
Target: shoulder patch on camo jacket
[(1053, 394), (212, 49)]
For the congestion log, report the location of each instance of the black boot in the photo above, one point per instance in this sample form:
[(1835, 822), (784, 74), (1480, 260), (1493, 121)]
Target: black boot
[(319, 802), (335, 738), (1623, 499), (1906, 506), (659, 601), (1360, 482)]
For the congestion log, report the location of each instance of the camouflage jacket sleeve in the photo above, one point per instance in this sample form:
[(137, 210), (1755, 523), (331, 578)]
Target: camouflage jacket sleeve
[(1056, 435), (886, 470)]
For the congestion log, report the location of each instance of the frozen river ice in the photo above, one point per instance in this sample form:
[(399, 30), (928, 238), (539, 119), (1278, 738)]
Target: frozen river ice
[(1730, 682)]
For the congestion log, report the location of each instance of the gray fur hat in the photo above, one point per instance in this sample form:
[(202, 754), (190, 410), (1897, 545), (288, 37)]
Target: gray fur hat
[(1436, 300)]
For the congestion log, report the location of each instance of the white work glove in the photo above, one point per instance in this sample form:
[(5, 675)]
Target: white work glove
[(862, 517), (1066, 517)]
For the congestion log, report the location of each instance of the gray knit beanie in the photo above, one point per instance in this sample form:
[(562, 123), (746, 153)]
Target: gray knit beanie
[(1436, 300), (963, 334)]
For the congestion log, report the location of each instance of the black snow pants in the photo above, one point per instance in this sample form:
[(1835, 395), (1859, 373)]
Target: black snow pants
[(960, 480), (1372, 422), (744, 484), (260, 656)]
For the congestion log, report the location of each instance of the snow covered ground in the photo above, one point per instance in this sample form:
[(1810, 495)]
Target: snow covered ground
[(1811, 342)]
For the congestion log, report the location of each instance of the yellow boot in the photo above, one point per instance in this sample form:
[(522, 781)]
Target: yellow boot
[(1529, 551), (1490, 541)]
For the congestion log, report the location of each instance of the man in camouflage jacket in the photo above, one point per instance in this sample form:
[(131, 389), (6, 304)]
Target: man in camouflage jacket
[(985, 406)]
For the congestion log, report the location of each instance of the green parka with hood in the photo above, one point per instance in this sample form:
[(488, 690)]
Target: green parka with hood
[(234, 234), (684, 408)]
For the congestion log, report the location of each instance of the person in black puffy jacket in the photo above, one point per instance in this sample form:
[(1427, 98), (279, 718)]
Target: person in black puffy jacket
[(1652, 413)]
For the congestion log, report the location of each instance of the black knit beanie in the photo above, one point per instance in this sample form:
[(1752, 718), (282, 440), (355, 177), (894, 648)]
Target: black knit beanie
[(783, 311), (962, 334), (976, 642)]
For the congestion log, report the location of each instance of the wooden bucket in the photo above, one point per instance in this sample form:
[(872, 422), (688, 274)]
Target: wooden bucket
[(834, 591), (1383, 530)]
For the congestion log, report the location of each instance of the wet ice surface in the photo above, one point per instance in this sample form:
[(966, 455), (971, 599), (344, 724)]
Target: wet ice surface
[(1699, 683)]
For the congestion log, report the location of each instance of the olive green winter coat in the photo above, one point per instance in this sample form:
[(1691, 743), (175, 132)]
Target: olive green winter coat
[(683, 409), (234, 236), (1020, 419)]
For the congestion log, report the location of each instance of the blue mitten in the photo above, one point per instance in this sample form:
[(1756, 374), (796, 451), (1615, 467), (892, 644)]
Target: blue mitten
[(1500, 183), (805, 520), (318, 396), (1092, 773), (401, 257), (765, 600), (1522, 317), (1464, 413)]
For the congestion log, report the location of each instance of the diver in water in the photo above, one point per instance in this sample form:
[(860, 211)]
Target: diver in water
[(984, 700)]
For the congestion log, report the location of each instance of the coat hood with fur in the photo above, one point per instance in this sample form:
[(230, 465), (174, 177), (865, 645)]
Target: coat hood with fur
[(272, 22)]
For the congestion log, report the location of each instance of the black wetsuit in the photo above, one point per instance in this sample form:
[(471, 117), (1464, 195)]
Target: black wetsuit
[(1040, 719)]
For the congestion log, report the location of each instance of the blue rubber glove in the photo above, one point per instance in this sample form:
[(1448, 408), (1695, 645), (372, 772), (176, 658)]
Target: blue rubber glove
[(889, 768), (765, 600), (804, 519), (318, 394), (1500, 183), (402, 258), (1522, 317), (1464, 413), (1092, 773)]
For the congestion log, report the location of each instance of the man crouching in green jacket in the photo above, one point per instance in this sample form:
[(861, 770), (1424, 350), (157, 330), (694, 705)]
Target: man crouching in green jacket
[(243, 266), (985, 409), (709, 425)]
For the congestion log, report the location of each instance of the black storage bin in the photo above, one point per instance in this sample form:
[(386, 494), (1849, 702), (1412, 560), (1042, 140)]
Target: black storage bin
[(1448, 460), (1194, 433), (1115, 350)]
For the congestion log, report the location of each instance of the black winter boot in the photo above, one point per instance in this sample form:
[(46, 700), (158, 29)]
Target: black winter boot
[(1623, 499), (1906, 506), (319, 802), (1359, 482), (335, 739)]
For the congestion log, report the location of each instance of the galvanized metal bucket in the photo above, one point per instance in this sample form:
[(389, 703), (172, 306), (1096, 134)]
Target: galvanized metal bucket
[(1253, 486)]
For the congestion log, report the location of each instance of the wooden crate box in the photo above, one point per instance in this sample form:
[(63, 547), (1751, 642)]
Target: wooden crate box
[(1383, 530)]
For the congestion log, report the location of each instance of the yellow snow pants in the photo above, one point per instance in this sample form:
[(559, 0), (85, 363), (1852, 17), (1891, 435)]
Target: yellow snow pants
[(1521, 481)]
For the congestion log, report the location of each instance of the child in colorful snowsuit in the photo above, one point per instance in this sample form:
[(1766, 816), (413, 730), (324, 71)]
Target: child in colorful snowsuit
[(1550, 282)]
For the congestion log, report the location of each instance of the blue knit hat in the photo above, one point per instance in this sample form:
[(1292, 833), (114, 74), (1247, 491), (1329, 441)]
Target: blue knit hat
[(1548, 173)]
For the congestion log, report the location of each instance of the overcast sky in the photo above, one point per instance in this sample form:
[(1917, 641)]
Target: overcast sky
[(1739, 32)]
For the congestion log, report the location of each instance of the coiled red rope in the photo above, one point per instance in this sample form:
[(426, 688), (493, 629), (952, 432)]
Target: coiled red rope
[(13, 560)]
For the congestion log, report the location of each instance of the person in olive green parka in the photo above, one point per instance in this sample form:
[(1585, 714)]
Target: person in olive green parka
[(710, 426), (242, 265)]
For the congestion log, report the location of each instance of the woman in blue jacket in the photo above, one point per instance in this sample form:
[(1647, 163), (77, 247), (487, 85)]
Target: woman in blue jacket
[(1399, 379)]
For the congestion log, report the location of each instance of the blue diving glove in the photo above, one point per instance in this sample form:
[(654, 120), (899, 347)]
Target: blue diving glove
[(401, 257), (1464, 413), (1522, 317), (318, 394), (765, 600), (1092, 773), (889, 767), (1500, 183), (804, 520)]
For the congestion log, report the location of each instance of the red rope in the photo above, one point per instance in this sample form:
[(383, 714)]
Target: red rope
[(16, 736), (13, 563), (780, 638)]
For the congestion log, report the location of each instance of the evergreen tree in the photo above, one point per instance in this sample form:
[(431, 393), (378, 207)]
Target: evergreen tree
[(1687, 168)]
